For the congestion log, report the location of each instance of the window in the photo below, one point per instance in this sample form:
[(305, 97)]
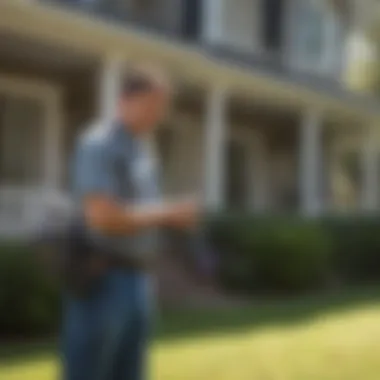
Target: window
[(316, 36), (311, 20), (309, 32), (21, 136), (191, 18), (272, 24)]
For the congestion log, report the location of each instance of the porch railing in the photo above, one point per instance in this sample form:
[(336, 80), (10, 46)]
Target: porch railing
[(22, 207)]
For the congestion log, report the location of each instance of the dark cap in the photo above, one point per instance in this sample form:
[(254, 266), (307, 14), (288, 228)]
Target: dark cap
[(143, 79)]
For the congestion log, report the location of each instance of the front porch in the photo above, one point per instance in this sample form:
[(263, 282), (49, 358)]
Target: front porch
[(236, 149)]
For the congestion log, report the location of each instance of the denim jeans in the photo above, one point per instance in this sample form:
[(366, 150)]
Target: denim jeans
[(105, 334)]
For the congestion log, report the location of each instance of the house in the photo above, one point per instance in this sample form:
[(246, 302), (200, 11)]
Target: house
[(263, 118)]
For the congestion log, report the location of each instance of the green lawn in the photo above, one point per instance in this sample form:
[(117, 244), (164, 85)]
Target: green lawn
[(334, 337)]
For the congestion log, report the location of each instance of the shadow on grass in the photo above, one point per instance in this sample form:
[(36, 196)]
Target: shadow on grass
[(26, 351), (262, 314), (185, 324)]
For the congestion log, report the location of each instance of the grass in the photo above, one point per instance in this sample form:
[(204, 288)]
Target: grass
[(335, 337)]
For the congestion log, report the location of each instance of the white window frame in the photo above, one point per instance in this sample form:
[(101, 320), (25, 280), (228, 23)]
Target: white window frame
[(29, 201)]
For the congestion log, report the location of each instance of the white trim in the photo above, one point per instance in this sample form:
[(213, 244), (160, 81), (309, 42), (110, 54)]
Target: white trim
[(216, 132), (31, 88), (109, 81), (310, 156)]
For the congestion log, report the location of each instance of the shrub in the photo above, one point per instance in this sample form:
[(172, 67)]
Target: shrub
[(257, 255), (356, 247), (290, 257), (271, 254), (295, 254), (28, 303)]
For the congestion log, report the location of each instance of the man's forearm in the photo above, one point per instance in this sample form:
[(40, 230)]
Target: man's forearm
[(115, 219), (110, 217)]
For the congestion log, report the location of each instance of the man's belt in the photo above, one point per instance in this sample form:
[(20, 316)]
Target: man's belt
[(129, 262)]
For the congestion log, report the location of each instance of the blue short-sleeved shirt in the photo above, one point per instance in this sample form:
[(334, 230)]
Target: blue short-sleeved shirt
[(94, 173)]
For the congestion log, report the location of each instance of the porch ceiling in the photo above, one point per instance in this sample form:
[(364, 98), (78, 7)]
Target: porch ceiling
[(19, 50)]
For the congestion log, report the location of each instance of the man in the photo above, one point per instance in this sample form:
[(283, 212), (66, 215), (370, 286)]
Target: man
[(105, 333)]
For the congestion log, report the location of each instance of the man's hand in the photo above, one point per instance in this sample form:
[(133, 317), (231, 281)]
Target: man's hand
[(183, 215)]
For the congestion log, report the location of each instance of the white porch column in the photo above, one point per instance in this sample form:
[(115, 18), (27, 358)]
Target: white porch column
[(212, 22), (110, 78), (310, 162), (370, 169), (215, 133)]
